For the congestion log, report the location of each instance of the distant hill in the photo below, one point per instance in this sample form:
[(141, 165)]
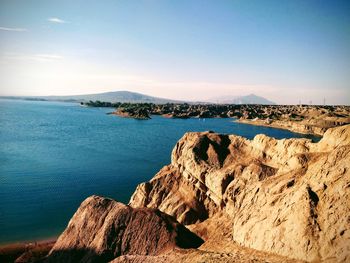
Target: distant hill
[(248, 99), (134, 97), (115, 96)]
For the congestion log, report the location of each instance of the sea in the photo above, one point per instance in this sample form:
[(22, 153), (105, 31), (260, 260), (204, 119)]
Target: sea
[(53, 155)]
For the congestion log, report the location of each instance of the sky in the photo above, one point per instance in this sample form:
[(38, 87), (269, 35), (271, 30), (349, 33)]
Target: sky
[(287, 51)]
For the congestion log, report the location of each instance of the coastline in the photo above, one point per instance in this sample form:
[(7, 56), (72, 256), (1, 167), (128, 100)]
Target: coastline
[(300, 173), (286, 155), (21, 251), (30, 241), (290, 126)]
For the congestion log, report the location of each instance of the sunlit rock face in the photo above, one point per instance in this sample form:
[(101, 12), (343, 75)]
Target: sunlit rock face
[(290, 197)]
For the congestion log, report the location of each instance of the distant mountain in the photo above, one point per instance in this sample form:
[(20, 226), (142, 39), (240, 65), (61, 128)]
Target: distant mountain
[(248, 99), (134, 97), (115, 96)]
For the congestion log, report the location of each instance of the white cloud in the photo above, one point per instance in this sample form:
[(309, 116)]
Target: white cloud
[(16, 29), (56, 20), (47, 56), (30, 57)]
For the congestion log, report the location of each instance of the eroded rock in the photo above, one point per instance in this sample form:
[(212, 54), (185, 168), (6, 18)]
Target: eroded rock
[(289, 197)]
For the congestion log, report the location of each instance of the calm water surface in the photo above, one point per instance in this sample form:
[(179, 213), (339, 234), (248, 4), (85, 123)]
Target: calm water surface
[(54, 155)]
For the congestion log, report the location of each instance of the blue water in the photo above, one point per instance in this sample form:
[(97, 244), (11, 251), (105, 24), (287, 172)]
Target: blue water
[(54, 155)]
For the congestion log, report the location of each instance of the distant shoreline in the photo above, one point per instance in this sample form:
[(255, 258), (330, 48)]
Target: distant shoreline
[(276, 126), (25, 250), (30, 241), (302, 119)]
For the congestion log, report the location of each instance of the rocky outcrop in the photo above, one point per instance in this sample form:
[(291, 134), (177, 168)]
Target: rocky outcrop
[(103, 229), (289, 197), (261, 200)]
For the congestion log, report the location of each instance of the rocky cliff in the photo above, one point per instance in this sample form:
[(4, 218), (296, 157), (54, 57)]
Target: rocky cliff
[(260, 200), (289, 197)]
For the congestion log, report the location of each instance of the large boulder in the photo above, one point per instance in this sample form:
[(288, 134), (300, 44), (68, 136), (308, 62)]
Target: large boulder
[(103, 229)]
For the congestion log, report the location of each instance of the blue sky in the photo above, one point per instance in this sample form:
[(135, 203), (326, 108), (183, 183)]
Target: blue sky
[(284, 50)]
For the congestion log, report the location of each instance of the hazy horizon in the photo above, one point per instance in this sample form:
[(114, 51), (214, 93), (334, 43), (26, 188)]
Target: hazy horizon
[(185, 50)]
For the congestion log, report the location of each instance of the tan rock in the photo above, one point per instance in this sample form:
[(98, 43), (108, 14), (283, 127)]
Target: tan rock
[(289, 197), (103, 229)]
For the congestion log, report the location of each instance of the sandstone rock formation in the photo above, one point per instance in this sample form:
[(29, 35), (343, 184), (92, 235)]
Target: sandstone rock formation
[(290, 197), (103, 229)]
